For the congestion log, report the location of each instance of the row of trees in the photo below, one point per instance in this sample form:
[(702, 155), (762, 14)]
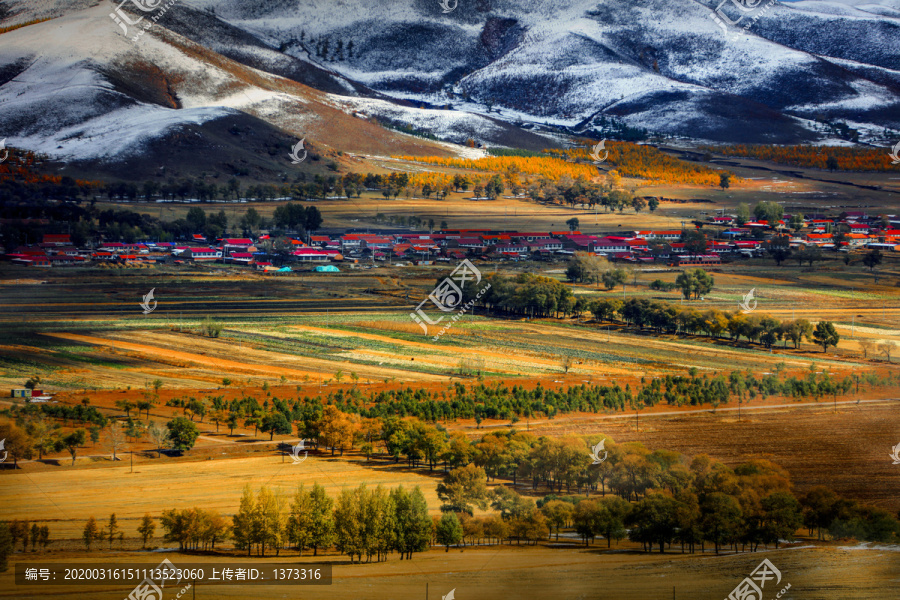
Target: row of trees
[(370, 522), (657, 498), (347, 419), (833, 158), (662, 497), (645, 162), (664, 317), (24, 531), (35, 432)]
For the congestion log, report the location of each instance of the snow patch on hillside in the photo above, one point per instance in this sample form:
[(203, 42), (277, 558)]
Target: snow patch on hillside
[(117, 134), (448, 124)]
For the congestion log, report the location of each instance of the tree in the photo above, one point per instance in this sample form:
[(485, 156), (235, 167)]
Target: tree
[(232, 422), (742, 214), (866, 346), (449, 530), (336, 429), (694, 283), (572, 224), (349, 522), (115, 438), (251, 218), (820, 508), (183, 433), (558, 514), (18, 444), (110, 532), (809, 254), (159, 437), (72, 442), (462, 488), (147, 528), (694, 241), (585, 268), (831, 163), (872, 259), (779, 248), (244, 525), (724, 181), (196, 218), (887, 347), (771, 212), (269, 520), (613, 277), (275, 422), (90, 533), (721, 518), (511, 504), (6, 545), (653, 519), (125, 405), (45, 536), (610, 519), (301, 524), (826, 335), (653, 203), (42, 433), (782, 516)]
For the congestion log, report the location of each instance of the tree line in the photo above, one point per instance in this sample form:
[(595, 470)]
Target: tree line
[(657, 498), (347, 419)]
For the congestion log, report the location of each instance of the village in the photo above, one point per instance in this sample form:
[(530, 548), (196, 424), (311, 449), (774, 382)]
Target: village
[(713, 241)]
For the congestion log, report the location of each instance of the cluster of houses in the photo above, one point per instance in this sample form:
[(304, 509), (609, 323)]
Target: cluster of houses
[(724, 239)]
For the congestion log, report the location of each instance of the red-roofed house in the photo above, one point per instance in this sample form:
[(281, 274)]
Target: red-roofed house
[(202, 253), (242, 258), (670, 235), (57, 239), (315, 255)]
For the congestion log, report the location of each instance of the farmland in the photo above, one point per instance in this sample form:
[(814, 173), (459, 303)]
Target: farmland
[(343, 339)]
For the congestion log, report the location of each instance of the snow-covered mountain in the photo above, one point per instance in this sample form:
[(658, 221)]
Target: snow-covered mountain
[(663, 65), (77, 87)]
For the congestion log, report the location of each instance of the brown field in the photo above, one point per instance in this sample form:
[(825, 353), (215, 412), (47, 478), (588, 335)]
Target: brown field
[(834, 572)]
